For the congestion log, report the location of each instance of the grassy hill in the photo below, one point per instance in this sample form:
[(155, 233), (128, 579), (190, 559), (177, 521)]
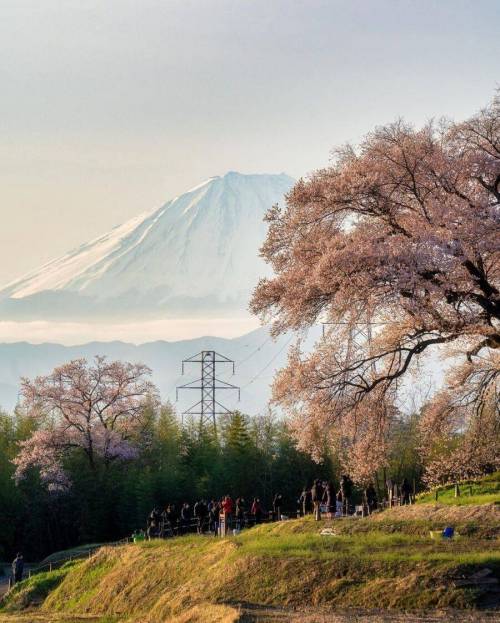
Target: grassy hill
[(483, 491), (387, 561)]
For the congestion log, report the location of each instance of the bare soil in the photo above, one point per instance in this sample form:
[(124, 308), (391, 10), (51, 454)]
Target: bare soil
[(267, 615)]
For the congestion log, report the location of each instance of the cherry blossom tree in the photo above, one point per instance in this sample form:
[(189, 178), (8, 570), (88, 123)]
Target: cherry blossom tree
[(401, 237), (460, 428), (96, 408)]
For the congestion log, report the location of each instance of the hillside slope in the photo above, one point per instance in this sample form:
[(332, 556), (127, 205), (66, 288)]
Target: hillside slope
[(389, 563)]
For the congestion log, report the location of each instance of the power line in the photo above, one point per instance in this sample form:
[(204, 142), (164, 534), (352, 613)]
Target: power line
[(270, 362), (255, 351)]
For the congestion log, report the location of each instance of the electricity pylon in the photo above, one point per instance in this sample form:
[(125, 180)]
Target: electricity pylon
[(360, 336), (208, 406)]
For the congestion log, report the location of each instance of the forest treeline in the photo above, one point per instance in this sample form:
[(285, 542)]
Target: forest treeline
[(251, 456)]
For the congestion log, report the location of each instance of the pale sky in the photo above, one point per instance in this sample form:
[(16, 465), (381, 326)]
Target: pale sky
[(109, 108)]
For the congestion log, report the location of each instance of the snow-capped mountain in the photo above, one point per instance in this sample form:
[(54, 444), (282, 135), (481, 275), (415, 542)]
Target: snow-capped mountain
[(197, 254)]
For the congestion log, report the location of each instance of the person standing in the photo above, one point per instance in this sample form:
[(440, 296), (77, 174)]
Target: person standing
[(18, 568), (405, 491), (213, 513), (277, 506), (346, 490), (228, 509), (240, 513), (338, 504), (256, 510), (185, 518), (154, 524), (328, 495), (200, 512), (371, 498), (173, 519), (305, 501), (316, 497)]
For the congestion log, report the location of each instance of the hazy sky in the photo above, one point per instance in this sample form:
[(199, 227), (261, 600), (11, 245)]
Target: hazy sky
[(108, 108)]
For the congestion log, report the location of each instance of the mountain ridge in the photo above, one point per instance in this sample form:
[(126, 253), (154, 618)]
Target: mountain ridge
[(257, 356), (196, 254)]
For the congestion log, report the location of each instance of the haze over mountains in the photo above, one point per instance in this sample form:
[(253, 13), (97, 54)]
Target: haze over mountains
[(256, 354), (196, 256)]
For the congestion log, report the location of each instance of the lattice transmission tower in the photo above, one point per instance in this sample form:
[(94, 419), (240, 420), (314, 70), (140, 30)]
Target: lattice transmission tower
[(208, 407), (360, 335)]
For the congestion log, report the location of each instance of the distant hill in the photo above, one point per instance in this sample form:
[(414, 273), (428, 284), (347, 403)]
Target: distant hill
[(257, 357), (197, 255)]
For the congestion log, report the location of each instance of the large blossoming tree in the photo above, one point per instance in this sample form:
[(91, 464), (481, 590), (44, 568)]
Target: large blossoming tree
[(93, 408), (399, 237)]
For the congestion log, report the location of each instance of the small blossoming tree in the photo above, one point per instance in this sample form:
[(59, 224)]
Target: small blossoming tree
[(95, 408)]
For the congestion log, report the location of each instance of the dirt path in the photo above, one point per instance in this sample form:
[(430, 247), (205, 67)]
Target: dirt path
[(45, 618), (276, 615), (270, 615)]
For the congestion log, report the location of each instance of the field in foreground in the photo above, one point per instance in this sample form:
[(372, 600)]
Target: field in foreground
[(285, 571)]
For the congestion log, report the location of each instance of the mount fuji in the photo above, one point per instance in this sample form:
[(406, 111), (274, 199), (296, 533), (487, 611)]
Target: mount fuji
[(195, 255)]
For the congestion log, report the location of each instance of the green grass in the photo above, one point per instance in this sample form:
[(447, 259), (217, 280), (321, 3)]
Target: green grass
[(34, 590), (385, 561), (483, 491), (76, 552)]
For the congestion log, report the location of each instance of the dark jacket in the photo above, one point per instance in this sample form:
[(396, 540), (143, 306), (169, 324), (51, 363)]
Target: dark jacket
[(186, 513), (154, 518), (214, 510), (371, 496), (317, 492), (240, 508), (18, 568), (405, 487), (172, 515), (346, 487)]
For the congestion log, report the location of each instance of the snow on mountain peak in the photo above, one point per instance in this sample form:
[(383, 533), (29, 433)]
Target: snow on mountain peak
[(199, 251)]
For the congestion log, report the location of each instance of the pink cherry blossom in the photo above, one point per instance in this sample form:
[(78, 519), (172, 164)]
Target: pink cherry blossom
[(95, 408), (400, 237)]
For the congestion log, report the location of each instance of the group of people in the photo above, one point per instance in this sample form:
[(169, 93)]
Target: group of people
[(323, 497), (219, 516), (398, 493), (211, 516)]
